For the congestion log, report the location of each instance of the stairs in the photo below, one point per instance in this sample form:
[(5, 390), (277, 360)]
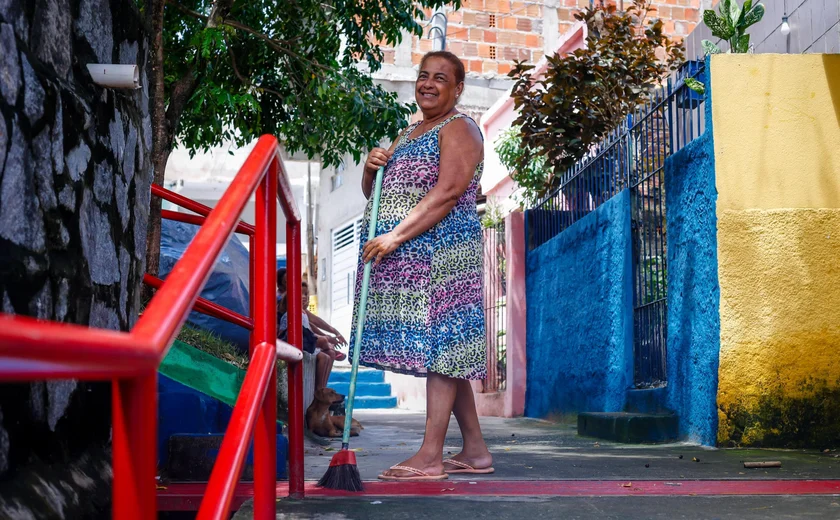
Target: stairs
[(372, 392), (645, 420), (196, 394)]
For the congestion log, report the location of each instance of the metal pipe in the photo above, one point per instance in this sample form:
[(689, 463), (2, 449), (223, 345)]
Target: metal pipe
[(265, 331), (168, 309), (295, 336), (195, 207), (198, 220), (134, 446), (207, 307), (231, 458)]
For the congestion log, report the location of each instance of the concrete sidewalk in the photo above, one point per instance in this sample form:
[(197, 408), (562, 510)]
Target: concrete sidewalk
[(533, 450), (529, 449)]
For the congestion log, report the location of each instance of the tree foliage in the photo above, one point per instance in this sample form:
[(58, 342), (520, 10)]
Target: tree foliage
[(528, 167), (288, 68), (584, 95), (231, 70)]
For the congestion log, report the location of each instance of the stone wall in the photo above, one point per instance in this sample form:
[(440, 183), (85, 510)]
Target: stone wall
[(74, 198)]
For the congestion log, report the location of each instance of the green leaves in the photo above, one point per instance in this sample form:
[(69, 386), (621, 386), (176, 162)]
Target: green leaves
[(695, 85), (527, 167), (754, 15), (718, 25), (731, 24), (584, 96), (710, 48), (290, 68)]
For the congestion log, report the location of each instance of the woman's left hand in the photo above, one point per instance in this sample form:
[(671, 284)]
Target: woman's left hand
[(380, 247)]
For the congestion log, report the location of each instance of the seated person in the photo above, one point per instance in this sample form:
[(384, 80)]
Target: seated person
[(317, 324), (320, 345)]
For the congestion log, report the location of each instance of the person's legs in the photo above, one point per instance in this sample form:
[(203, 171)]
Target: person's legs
[(323, 367), (475, 452), (440, 398)]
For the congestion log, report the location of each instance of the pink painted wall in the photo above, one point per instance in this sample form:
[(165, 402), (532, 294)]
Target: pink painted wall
[(496, 182), (511, 401)]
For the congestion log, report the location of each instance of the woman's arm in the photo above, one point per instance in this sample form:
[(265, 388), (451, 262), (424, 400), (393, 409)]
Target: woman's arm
[(461, 150), (316, 322), (377, 158)]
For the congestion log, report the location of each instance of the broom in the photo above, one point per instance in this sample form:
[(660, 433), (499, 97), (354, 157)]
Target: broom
[(343, 474)]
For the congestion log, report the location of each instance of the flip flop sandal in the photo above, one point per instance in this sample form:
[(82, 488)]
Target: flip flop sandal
[(463, 467), (340, 356), (417, 477)]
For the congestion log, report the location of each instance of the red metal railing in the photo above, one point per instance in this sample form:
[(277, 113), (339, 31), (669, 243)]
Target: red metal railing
[(33, 349)]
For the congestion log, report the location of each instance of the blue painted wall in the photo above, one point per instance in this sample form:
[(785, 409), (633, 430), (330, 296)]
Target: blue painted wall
[(580, 305), (693, 289)]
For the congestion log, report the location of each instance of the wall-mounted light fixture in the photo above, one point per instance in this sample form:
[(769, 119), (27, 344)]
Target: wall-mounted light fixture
[(115, 76), (785, 30)]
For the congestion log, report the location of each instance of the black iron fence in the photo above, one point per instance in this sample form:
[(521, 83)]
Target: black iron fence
[(633, 157), (629, 154), (495, 307)]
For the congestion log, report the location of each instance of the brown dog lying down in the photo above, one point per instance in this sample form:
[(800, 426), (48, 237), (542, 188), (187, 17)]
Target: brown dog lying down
[(318, 418)]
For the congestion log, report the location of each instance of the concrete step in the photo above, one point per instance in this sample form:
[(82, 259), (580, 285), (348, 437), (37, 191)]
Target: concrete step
[(365, 375), (629, 428), (370, 403), (364, 389), (647, 400)]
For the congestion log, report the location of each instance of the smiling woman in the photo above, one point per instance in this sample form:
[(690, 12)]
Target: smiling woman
[(424, 314)]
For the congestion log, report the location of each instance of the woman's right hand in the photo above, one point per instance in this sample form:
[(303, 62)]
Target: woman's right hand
[(377, 158)]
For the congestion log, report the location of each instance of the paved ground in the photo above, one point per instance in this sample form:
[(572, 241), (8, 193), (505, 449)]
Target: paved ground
[(527, 449), (600, 508)]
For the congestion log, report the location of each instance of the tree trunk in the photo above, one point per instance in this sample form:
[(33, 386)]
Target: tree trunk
[(165, 119), (161, 142)]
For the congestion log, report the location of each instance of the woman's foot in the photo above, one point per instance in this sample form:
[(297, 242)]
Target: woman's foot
[(478, 462), (429, 466)]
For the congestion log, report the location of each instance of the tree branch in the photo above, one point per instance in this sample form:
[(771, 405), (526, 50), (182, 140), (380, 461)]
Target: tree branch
[(246, 81), (182, 91), (277, 45)]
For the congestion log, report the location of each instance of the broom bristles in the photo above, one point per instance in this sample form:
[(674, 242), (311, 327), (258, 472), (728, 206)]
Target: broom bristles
[(342, 478)]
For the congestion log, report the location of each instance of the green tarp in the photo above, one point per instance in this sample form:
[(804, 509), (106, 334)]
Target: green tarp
[(203, 372)]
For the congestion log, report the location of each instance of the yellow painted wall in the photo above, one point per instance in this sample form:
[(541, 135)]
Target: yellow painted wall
[(776, 121)]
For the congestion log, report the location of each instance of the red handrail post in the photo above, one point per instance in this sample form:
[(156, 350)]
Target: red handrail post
[(265, 330), (134, 444), (293, 292)]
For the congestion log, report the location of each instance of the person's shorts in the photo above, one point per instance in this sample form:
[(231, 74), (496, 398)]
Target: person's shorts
[(309, 340)]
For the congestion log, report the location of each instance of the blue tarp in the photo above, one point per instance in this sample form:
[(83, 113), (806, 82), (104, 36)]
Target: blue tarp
[(227, 285)]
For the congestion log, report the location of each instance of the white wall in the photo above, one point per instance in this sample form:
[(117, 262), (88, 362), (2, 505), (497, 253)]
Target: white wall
[(815, 28), (206, 176)]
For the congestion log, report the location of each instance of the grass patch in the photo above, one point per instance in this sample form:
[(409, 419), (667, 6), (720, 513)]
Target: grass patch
[(212, 344)]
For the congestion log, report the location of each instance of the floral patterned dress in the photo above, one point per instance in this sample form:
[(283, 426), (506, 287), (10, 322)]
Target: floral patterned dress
[(424, 311)]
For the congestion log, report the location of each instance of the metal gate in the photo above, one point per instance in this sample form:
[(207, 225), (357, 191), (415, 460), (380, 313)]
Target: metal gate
[(495, 307)]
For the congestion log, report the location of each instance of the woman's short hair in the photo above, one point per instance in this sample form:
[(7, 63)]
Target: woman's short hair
[(456, 62)]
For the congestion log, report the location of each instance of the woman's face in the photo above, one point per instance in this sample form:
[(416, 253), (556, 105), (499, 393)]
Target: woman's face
[(437, 89)]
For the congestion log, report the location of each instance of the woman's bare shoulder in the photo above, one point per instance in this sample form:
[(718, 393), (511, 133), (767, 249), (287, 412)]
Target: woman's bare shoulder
[(463, 130)]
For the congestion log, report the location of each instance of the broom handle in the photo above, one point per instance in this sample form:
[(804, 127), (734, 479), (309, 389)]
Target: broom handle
[(360, 314)]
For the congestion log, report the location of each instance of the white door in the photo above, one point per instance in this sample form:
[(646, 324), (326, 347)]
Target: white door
[(345, 255)]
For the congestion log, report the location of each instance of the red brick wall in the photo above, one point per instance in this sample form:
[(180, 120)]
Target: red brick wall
[(489, 35)]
